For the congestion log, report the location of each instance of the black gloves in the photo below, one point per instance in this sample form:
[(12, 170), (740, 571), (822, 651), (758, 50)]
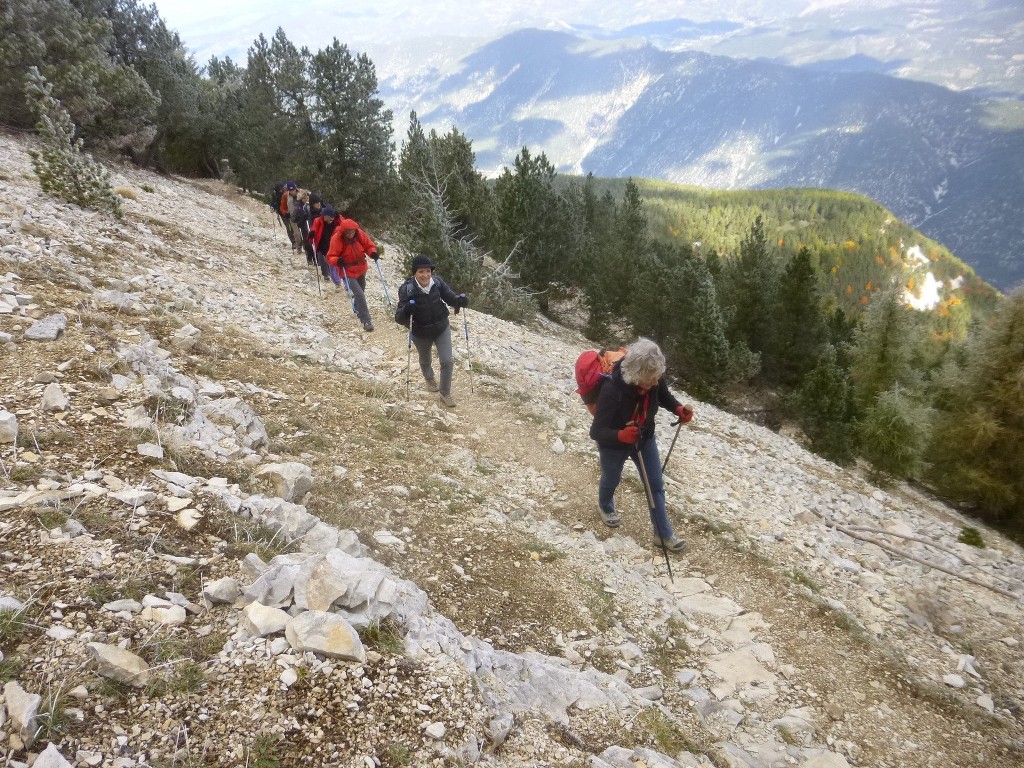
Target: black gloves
[(463, 300), (374, 255), (410, 306)]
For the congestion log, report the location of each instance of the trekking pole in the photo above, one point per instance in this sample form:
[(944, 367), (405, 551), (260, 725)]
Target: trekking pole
[(344, 275), (650, 504), (678, 425), (469, 355), (408, 365), (382, 283), (316, 268)]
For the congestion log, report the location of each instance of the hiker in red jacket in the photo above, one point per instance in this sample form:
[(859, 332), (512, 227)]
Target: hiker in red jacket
[(347, 253)]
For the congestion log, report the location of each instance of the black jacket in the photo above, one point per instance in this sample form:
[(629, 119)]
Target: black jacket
[(430, 313), (616, 407)]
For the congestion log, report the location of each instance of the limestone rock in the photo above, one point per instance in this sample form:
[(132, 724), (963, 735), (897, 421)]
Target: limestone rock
[(54, 399), (8, 427), (292, 480), (47, 329), (119, 664), (326, 634), (22, 708), (259, 620)]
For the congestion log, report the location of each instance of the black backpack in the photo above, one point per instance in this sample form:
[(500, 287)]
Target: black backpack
[(275, 196)]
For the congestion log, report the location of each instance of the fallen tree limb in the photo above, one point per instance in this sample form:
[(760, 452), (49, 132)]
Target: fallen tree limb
[(908, 556)]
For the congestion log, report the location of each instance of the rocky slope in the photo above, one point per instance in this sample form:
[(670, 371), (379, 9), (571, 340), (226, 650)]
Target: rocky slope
[(232, 532)]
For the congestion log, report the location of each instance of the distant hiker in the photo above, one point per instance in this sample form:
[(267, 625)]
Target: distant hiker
[(423, 302), (300, 220), (347, 253), (320, 232), (624, 429), (314, 209), (280, 207), (286, 209)]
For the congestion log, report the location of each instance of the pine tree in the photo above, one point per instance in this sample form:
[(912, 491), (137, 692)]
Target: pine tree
[(977, 450), (529, 223), (753, 279), (353, 150), (799, 320), (893, 434), (64, 170), (824, 408), (883, 349)]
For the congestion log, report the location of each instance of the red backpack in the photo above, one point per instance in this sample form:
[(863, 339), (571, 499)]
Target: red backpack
[(592, 368)]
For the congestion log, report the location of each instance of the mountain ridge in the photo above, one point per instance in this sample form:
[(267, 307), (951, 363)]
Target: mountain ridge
[(922, 151)]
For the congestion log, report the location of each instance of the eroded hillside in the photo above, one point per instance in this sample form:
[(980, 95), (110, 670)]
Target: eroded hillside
[(210, 455)]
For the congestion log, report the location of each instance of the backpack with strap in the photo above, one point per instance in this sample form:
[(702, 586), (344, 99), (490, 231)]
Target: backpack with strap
[(592, 368), (275, 196)]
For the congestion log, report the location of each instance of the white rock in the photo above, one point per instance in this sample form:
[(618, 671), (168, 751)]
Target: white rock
[(120, 664), (22, 708), (558, 446), (954, 681), (435, 730), (8, 427), (985, 702), (292, 480), (326, 634), (188, 518), (259, 620), (152, 450), (52, 758), (54, 398)]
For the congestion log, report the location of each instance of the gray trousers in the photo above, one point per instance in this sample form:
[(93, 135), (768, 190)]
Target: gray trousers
[(443, 341), (358, 289)]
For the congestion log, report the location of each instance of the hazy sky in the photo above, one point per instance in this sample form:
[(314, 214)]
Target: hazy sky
[(229, 26)]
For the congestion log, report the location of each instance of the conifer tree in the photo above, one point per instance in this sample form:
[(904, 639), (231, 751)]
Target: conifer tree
[(893, 434), (883, 349), (529, 223), (753, 279), (977, 448), (799, 320), (64, 170), (824, 408)]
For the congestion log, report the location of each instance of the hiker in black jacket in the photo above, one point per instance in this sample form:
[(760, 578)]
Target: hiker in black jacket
[(623, 427), (423, 302)]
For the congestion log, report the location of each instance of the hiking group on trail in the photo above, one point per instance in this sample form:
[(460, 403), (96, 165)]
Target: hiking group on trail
[(622, 388)]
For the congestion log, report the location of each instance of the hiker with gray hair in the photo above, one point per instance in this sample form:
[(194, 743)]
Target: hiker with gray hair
[(624, 429)]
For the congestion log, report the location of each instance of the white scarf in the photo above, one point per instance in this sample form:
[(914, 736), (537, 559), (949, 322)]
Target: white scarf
[(427, 288)]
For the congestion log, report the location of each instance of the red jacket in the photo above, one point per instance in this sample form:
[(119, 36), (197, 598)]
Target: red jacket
[(316, 232), (350, 254)]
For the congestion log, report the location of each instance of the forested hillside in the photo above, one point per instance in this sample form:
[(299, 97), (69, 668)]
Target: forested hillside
[(830, 314)]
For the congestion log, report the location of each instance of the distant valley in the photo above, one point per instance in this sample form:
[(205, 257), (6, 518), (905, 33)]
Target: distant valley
[(943, 161)]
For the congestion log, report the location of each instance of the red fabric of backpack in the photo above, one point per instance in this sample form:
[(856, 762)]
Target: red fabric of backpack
[(592, 368)]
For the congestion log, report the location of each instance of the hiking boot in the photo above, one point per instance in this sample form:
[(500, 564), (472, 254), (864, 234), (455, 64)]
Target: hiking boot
[(368, 326), (432, 385), (611, 519), (448, 401), (672, 544)]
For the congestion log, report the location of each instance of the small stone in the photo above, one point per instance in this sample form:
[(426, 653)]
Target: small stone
[(954, 681), (435, 730)]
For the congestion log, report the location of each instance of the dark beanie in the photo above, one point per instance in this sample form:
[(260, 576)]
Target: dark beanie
[(421, 260), (329, 211)]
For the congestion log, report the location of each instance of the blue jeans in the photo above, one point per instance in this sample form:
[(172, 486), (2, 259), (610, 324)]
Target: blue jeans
[(612, 461)]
